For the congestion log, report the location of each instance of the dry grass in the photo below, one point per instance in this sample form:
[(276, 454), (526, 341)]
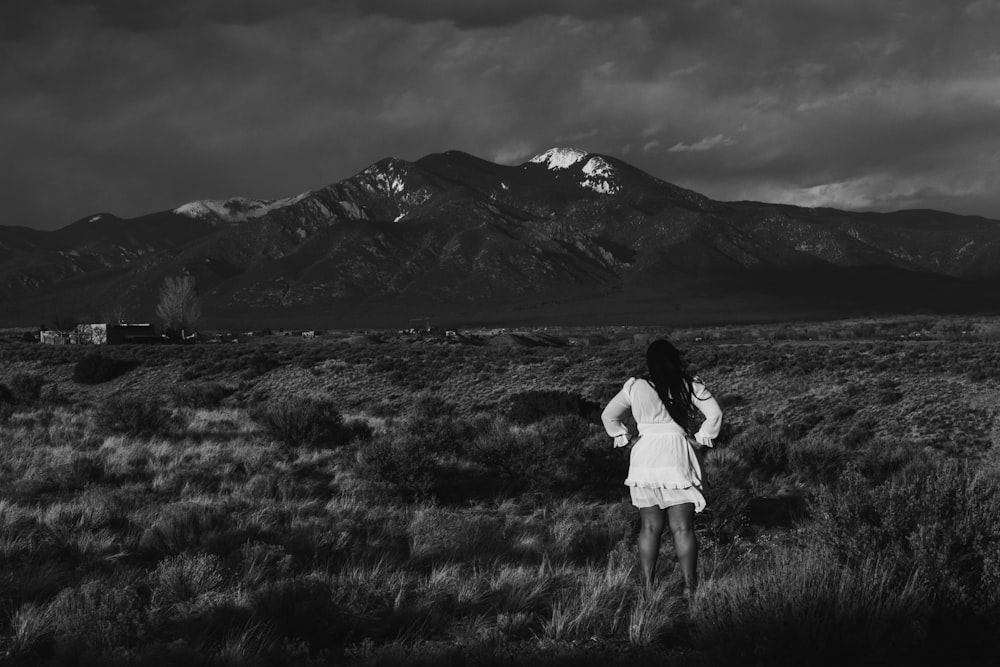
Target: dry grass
[(214, 542)]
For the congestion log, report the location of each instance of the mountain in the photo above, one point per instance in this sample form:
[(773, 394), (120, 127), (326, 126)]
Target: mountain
[(568, 237)]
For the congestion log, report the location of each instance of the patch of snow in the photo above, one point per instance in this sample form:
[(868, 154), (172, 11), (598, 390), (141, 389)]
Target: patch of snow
[(391, 184), (600, 176), (559, 158), (400, 216), (236, 209), (95, 218), (388, 180), (504, 186)]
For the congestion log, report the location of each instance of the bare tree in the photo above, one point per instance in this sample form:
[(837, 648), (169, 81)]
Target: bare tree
[(178, 308)]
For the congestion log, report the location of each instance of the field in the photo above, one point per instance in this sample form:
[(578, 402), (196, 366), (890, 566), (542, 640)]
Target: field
[(421, 499)]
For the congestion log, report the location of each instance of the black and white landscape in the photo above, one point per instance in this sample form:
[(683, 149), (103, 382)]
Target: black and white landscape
[(277, 399)]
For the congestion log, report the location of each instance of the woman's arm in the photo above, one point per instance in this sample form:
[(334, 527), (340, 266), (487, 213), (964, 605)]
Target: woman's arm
[(616, 412), (709, 407)]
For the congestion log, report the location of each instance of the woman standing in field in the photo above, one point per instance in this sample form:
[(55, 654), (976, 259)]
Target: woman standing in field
[(664, 476)]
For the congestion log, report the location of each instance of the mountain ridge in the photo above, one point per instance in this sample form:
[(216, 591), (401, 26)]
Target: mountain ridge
[(457, 237)]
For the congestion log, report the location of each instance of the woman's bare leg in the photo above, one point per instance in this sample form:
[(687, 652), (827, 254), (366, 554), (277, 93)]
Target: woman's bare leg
[(650, 531), (681, 519)]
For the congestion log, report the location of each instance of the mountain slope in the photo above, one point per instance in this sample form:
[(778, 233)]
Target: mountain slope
[(567, 235)]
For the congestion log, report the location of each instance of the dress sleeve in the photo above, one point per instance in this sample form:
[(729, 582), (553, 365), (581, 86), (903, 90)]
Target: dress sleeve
[(616, 412), (706, 403)]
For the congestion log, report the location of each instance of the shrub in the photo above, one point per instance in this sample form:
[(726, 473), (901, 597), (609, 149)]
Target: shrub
[(430, 406), (182, 526), (308, 422), (527, 407), (764, 449), (859, 433), (97, 616), (261, 362), (204, 395), (437, 533), (25, 388), (557, 453), (95, 368), (500, 449), (942, 521), (411, 464), (818, 459), (133, 416), (185, 578)]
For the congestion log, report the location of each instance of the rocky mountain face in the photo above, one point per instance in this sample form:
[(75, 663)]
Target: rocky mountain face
[(567, 237)]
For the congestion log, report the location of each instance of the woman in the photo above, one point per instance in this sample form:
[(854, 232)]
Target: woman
[(664, 476)]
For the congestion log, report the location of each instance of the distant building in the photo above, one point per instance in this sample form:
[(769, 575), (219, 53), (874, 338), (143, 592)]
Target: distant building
[(102, 334), (132, 334), (56, 337)]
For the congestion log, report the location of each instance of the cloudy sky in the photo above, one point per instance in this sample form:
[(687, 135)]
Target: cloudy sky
[(132, 106)]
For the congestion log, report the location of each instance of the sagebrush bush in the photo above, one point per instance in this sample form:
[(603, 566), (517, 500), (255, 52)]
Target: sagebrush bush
[(95, 368), (410, 464), (186, 525), (941, 520), (260, 362), (303, 422), (501, 449), (440, 534), (556, 453), (764, 449), (95, 617), (25, 388), (185, 578), (527, 407), (202, 395), (818, 459), (134, 416)]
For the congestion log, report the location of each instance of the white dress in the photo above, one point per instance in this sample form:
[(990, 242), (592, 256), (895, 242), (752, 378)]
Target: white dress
[(663, 469)]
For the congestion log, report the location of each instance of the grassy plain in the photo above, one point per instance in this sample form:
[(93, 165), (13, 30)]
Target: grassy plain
[(380, 500)]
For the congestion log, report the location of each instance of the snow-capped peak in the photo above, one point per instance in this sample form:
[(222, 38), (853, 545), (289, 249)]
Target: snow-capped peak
[(559, 158), (235, 209)]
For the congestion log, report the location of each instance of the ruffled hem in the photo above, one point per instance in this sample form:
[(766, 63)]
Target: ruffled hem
[(661, 485), (664, 498)]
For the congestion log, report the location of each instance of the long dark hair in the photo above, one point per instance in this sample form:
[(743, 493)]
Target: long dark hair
[(670, 379)]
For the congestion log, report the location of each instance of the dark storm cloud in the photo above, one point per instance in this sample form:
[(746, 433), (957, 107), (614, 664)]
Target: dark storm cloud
[(137, 106), (495, 14), (148, 15)]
